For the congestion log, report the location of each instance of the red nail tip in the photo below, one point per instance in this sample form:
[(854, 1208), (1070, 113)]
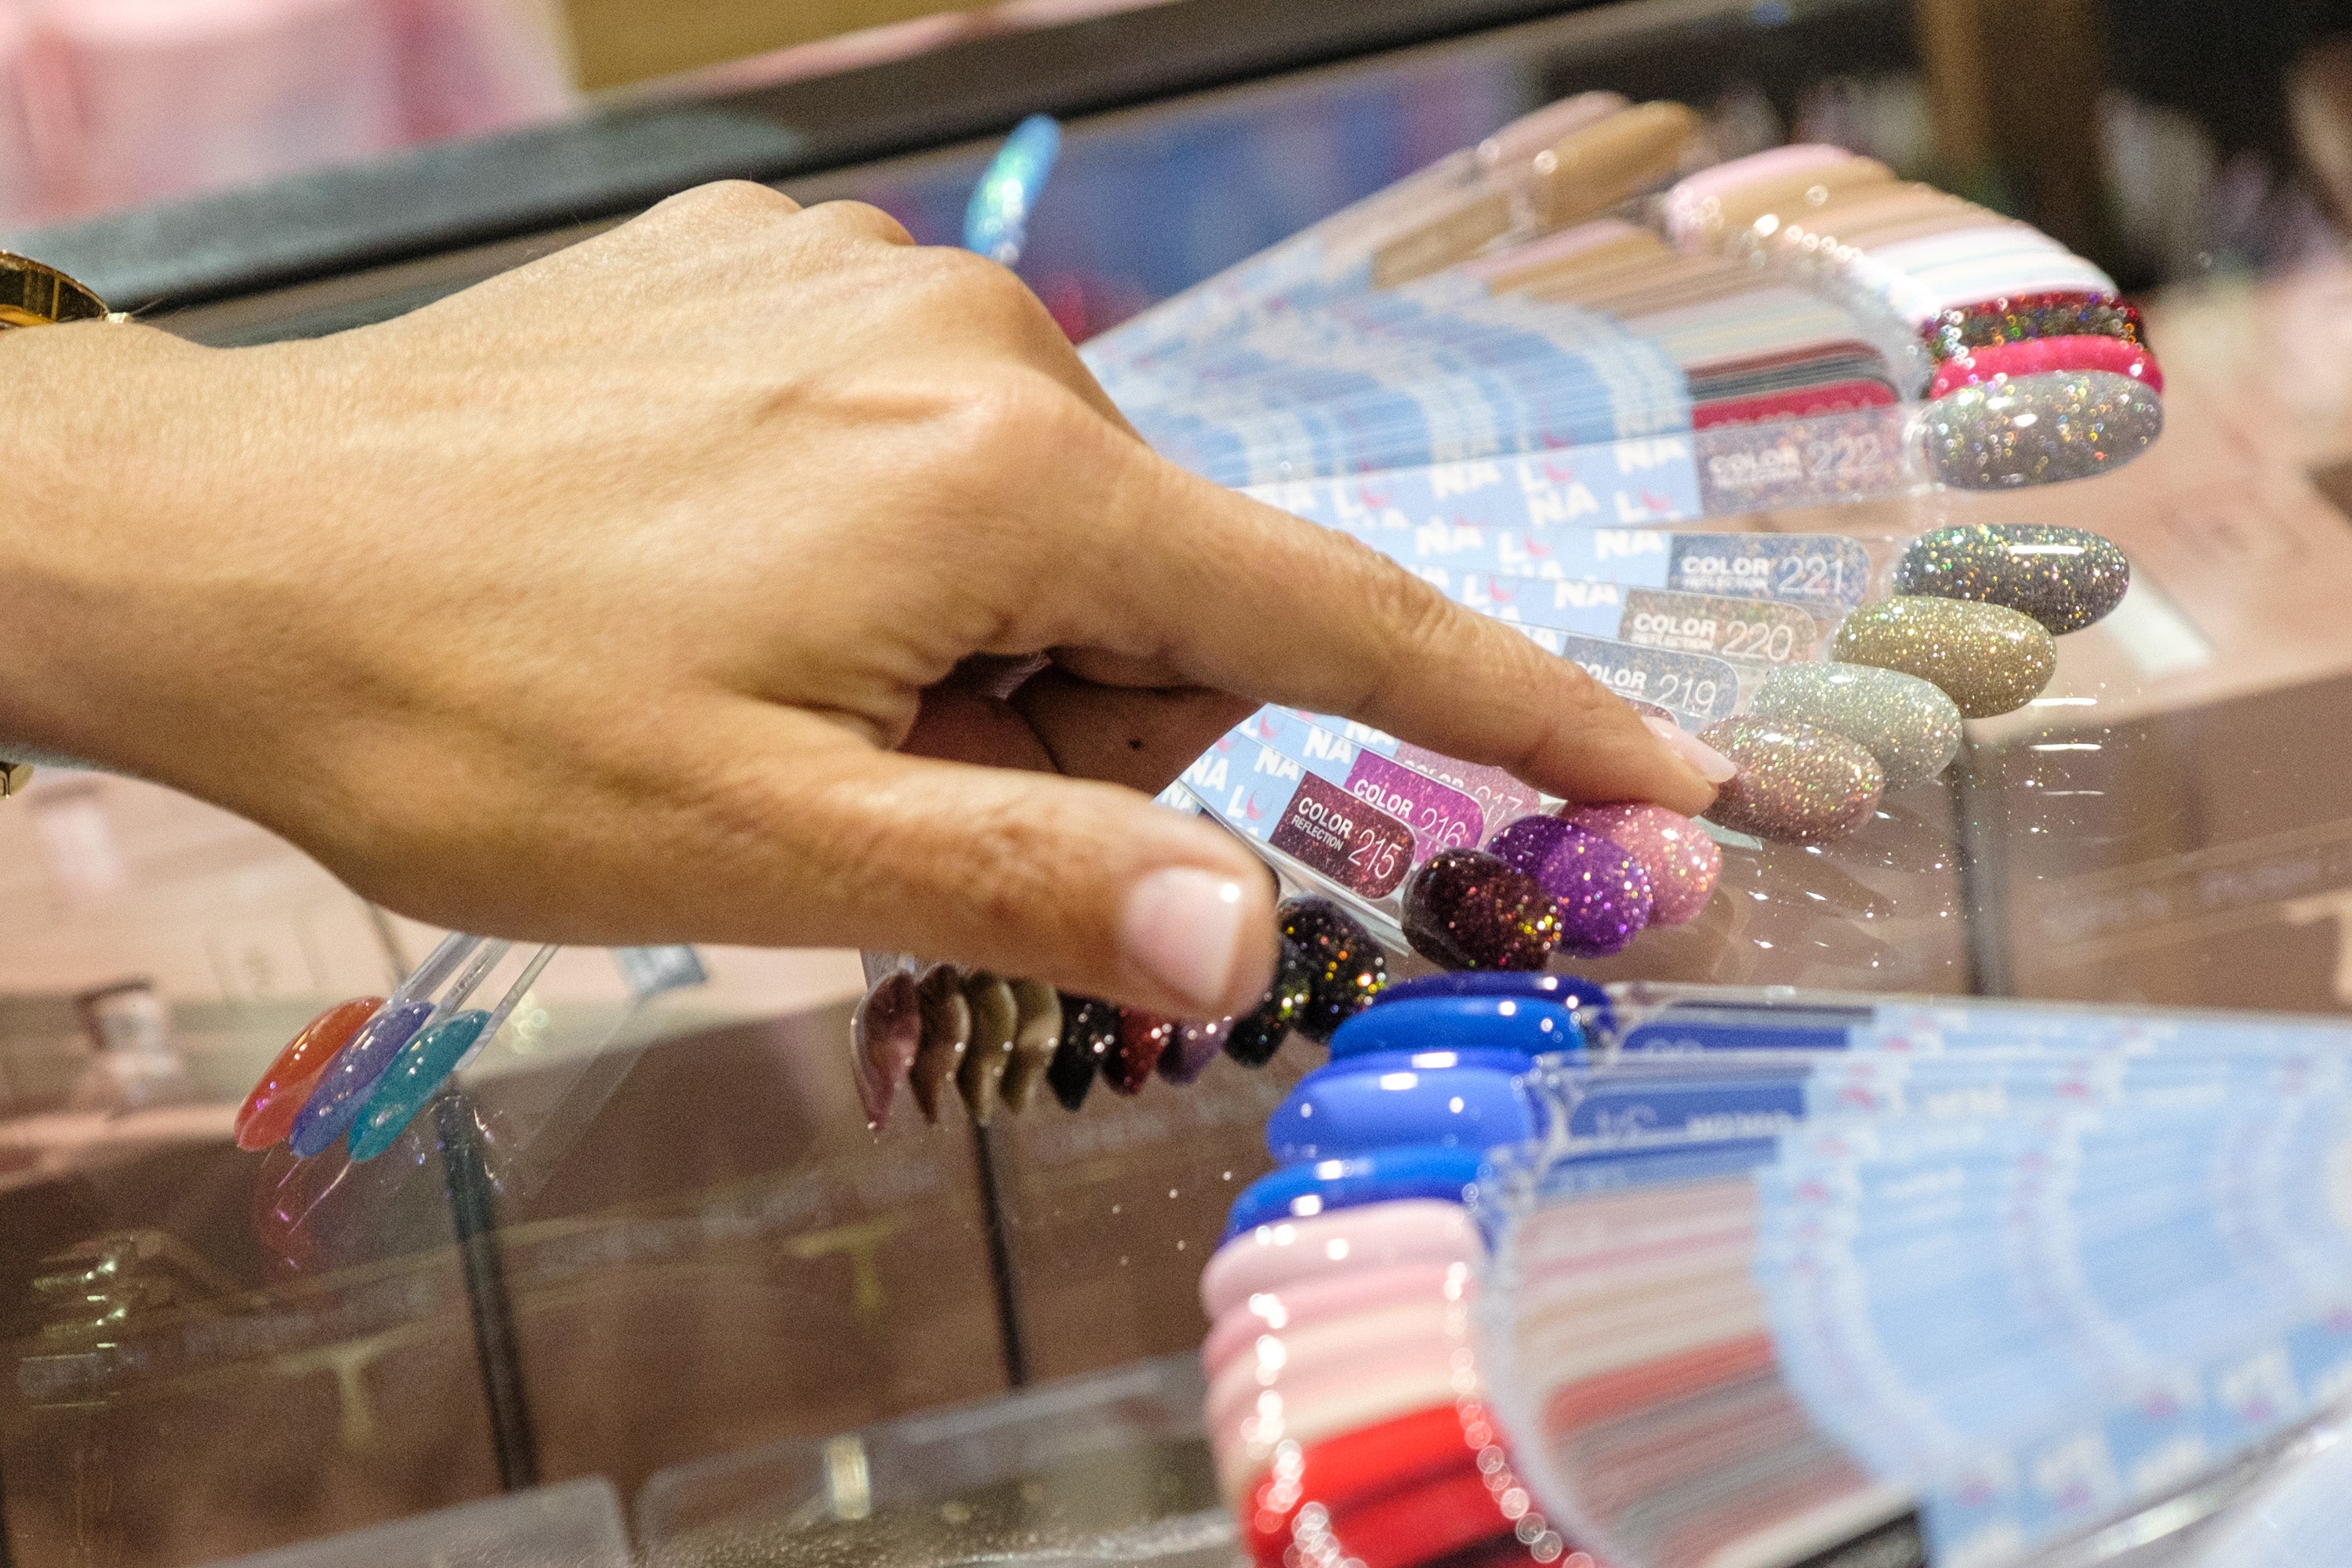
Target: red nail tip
[(1143, 1039), (267, 1114)]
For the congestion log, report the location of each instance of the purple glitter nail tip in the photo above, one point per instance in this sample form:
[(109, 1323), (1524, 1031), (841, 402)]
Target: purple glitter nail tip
[(1604, 892)]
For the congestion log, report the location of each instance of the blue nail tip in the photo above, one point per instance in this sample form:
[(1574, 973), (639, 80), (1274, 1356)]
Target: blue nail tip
[(344, 1087), (413, 1079), (1386, 1101), (1320, 1186), (1588, 1000), (1530, 1026)]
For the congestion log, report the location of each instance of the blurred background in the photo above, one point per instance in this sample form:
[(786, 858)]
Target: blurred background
[(668, 1260), (2163, 138)]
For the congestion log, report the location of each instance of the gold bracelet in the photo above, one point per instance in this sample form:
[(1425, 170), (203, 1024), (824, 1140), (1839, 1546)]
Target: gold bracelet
[(35, 294)]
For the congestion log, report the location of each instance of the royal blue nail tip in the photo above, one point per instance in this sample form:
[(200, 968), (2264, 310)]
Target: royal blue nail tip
[(417, 1075), (1319, 1186), (1529, 1025), (1585, 998), (1384, 1102), (344, 1088)]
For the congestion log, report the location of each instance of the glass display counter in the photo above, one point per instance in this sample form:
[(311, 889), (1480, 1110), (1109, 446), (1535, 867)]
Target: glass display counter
[(648, 1285)]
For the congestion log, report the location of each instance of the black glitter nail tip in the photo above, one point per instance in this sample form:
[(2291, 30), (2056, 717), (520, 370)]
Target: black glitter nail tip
[(1466, 908), (1346, 967), (1089, 1035), (1256, 1035)]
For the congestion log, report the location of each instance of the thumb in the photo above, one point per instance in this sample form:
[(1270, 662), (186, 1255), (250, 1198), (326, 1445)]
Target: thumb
[(1088, 885)]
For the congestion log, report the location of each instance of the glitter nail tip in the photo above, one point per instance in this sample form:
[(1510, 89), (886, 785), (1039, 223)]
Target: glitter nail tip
[(1143, 1038), (1036, 1037), (1987, 658), (1797, 784), (995, 1019), (1906, 723), (2040, 356), (947, 1035), (1196, 1045), (1089, 1036), (1257, 1035), (1683, 862), (887, 1031), (2038, 429), (2066, 578), (1346, 966), (1602, 890), (1466, 908)]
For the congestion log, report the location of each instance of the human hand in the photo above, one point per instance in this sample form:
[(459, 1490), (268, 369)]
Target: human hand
[(649, 592)]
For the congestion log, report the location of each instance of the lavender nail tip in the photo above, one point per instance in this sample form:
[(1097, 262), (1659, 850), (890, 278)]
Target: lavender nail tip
[(336, 1103), (2038, 429), (1195, 1046), (424, 1065)]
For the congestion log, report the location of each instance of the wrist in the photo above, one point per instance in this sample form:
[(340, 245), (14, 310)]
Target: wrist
[(88, 421)]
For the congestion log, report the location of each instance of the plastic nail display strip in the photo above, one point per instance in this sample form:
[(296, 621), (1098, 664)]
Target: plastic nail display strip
[(1735, 1251)]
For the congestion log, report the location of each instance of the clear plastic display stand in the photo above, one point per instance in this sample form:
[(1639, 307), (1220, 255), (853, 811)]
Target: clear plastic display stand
[(1107, 1468), (574, 1525)]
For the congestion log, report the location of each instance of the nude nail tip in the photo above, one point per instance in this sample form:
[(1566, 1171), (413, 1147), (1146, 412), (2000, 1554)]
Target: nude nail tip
[(1036, 1037), (1987, 658), (1908, 725), (1797, 784), (947, 1034), (886, 1032), (995, 1020)]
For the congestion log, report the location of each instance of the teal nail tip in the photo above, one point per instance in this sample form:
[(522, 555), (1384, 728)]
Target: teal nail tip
[(425, 1064)]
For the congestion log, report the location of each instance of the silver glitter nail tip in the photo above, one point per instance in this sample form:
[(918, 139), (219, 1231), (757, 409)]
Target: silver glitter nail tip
[(1906, 723), (2038, 429), (2066, 578)]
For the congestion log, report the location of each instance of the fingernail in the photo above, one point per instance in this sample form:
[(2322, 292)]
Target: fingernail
[(1183, 928), (1710, 764)]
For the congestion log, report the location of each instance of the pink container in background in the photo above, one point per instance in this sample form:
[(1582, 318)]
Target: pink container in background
[(125, 102)]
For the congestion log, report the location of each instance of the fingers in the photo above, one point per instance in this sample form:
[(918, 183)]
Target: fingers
[(1241, 597), (1141, 738), (818, 839)]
